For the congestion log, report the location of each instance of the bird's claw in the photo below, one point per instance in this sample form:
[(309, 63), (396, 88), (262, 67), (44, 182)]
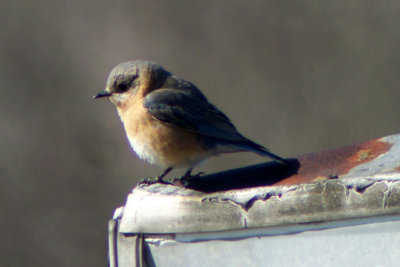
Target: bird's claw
[(153, 180), (187, 177)]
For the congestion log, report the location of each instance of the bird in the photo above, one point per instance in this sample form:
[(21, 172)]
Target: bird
[(169, 121)]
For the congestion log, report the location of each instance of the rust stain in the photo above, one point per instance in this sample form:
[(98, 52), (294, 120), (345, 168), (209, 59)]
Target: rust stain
[(333, 163)]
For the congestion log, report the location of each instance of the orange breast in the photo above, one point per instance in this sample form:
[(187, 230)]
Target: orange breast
[(159, 143)]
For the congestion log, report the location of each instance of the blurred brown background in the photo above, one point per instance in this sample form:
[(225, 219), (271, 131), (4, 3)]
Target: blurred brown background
[(295, 76)]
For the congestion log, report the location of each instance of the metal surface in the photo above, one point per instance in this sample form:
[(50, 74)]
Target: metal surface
[(374, 244), (347, 196), (166, 209), (364, 182)]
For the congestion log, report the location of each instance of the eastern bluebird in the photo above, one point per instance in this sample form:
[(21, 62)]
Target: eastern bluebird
[(169, 121)]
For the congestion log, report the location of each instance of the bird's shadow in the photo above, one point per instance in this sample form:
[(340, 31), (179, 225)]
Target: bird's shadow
[(262, 174)]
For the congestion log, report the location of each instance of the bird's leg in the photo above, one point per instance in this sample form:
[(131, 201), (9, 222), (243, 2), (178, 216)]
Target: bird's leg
[(158, 179), (162, 175), (188, 175)]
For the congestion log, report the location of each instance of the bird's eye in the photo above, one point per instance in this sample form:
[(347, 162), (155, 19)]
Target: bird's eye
[(122, 87)]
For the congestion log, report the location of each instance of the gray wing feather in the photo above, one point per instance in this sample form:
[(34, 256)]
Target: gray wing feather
[(192, 112)]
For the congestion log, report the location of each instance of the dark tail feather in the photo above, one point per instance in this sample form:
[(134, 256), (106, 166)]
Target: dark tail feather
[(260, 150), (266, 153)]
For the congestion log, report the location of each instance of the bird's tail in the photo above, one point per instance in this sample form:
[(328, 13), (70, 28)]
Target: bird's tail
[(260, 150), (267, 153)]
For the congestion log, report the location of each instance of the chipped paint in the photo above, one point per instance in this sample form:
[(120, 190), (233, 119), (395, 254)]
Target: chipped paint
[(337, 162)]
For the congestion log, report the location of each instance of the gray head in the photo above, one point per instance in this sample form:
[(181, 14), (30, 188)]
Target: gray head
[(132, 78)]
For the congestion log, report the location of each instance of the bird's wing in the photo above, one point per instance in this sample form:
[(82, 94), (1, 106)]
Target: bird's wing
[(191, 111)]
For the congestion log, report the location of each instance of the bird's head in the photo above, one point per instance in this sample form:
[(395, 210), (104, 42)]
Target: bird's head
[(133, 78)]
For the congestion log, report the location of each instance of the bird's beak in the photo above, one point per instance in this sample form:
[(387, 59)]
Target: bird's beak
[(102, 94)]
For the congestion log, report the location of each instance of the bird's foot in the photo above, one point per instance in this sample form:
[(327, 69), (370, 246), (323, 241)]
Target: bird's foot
[(188, 178), (158, 179), (153, 180)]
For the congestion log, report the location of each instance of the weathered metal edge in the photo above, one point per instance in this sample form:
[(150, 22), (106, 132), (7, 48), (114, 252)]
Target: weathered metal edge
[(112, 243), (147, 212), (368, 185), (123, 250)]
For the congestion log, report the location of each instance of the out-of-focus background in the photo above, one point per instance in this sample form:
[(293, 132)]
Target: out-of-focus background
[(295, 76)]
